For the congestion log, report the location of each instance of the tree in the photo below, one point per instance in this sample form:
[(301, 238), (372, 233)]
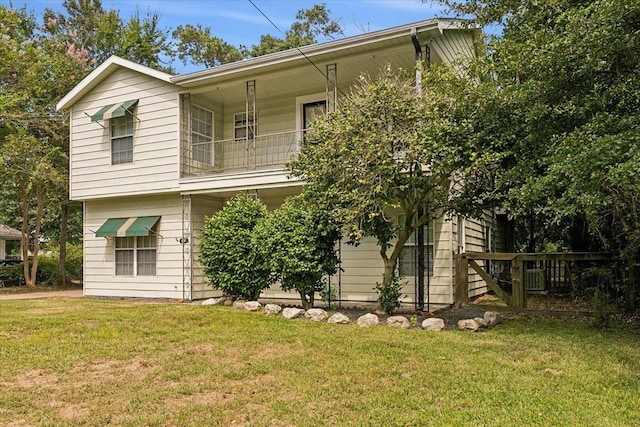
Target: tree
[(228, 256), (28, 164), (565, 80), (101, 33), (299, 243), (309, 24), (386, 150), (37, 69), (198, 46)]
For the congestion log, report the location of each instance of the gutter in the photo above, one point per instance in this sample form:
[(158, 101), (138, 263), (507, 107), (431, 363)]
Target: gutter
[(434, 27)]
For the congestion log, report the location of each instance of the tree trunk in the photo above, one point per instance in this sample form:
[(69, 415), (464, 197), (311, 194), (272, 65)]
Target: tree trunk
[(306, 303), (36, 235), (25, 238), (62, 269)]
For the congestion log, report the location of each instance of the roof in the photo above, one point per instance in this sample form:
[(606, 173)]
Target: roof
[(423, 29), (102, 72), (9, 233), (426, 29)]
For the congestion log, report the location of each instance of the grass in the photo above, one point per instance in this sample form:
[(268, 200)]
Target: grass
[(98, 362)]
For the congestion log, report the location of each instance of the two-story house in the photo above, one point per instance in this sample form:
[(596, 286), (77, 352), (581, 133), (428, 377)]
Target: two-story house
[(151, 155)]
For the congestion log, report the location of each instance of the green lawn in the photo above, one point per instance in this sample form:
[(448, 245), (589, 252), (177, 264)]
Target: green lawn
[(99, 362)]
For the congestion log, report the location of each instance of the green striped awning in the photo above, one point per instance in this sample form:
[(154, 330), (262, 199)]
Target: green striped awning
[(127, 227), (113, 110)]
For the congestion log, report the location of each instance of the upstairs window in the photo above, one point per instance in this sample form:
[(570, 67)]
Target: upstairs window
[(122, 139), (240, 126), (201, 134)]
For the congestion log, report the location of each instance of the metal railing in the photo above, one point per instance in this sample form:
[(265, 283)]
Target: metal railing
[(263, 151)]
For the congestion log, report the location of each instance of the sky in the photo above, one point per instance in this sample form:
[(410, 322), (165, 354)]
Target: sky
[(238, 22)]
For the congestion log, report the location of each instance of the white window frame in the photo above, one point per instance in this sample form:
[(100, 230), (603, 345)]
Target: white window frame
[(113, 122), (461, 234), (411, 245), (240, 124), (202, 152), (137, 248)]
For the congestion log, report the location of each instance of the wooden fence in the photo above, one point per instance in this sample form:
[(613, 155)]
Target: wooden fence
[(525, 273)]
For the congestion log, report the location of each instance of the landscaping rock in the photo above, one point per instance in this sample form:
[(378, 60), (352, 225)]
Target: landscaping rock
[(292, 312), (468, 324), (398, 322), (433, 324), (339, 318), (367, 320), (492, 318), (228, 302), (239, 304), (252, 306), (212, 301), (272, 309), (481, 322), (316, 315)]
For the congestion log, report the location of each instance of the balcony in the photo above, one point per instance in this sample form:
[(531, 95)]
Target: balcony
[(233, 155)]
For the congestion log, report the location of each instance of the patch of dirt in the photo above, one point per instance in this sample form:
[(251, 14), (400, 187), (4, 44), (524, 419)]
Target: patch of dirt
[(73, 411), (35, 378), (136, 369)]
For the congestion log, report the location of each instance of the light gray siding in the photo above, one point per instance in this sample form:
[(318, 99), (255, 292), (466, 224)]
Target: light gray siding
[(155, 164), (99, 269)]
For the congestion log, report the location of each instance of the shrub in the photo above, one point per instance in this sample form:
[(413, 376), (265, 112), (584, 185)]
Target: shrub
[(228, 255), (47, 270), (389, 296), (299, 243), (12, 275)]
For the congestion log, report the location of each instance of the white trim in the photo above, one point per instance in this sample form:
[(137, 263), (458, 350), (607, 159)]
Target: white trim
[(100, 73)]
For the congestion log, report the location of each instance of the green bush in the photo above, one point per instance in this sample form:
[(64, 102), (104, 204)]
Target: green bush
[(299, 243), (47, 270), (229, 257), (12, 275), (74, 261)]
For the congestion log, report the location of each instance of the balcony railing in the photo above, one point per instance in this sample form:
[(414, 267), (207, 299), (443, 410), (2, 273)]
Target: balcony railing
[(228, 155)]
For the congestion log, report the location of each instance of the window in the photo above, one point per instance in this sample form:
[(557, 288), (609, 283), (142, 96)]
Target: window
[(240, 126), (201, 134), (135, 254), (408, 262), (122, 139), (311, 111)]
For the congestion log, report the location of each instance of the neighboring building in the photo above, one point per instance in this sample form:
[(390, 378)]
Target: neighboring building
[(7, 233), (152, 154)]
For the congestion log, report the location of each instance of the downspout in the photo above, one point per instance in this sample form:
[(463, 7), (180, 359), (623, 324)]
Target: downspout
[(420, 231)]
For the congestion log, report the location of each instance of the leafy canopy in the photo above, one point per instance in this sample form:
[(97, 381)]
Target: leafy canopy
[(567, 97), (387, 150)]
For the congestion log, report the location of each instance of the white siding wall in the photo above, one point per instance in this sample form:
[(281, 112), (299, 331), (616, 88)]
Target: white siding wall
[(454, 46), (155, 164), (99, 273)]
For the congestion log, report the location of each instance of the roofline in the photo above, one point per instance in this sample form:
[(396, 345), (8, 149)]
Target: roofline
[(435, 25), (107, 67)]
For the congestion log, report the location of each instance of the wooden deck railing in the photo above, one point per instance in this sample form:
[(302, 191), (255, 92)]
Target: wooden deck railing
[(529, 272)]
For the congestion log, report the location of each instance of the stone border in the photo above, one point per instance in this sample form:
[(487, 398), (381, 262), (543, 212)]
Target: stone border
[(490, 318)]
